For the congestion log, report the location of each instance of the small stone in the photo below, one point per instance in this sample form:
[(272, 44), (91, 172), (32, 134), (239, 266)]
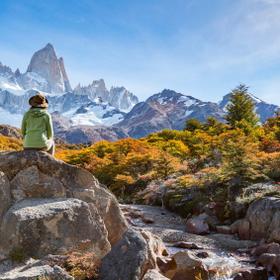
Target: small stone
[(202, 255), (186, 245), (148, 220)]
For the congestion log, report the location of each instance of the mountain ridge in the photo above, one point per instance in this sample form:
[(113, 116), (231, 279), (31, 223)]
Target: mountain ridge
[(115, 111)]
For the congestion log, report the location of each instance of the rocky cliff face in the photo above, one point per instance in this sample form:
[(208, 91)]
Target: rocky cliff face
[(96, 90), (46, 64), (122, 99)]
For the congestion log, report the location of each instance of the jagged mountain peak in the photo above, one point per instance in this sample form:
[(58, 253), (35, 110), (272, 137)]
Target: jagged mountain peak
[(17, 73), (45, 63), (5, 70), (122, 99), (166, 96), (99, 83), (49, 46)]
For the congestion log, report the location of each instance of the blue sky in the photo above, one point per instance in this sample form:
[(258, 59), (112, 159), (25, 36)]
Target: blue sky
[(199, 47)]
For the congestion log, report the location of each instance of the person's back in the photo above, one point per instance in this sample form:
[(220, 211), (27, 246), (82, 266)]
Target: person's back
[(37, 127)]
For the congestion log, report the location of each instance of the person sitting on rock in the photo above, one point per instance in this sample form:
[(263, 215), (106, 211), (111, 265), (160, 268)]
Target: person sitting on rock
[(37, 127)]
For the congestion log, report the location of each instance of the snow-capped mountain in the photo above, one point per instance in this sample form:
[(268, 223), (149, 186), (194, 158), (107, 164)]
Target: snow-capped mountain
[(122, 99), (85, 105), (90, 113), (118, 97), (167, 109)]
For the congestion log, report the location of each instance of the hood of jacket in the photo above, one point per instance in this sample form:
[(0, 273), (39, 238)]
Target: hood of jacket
[(37, 112)]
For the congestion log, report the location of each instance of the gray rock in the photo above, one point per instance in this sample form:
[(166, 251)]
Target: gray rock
[(262, 220), (109, 210), (30, 182), (5, 195), (37, 227), (154, 274), (187, 266), (198, 224), (132, 256), (34, 270)]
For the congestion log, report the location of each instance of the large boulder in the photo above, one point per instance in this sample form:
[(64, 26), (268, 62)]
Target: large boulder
[(132, 256), (48, 206), (262, 221), (36, 227)]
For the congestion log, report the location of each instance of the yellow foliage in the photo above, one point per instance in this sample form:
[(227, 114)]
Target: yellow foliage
[(10, 144)]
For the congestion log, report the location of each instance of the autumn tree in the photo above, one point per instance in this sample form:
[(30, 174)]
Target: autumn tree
[(193, 124), (240, 164), (240, 110)]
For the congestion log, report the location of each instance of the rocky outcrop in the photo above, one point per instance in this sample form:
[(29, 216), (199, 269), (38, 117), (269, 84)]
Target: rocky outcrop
[(132, 256), (262, 221), (48, 206)]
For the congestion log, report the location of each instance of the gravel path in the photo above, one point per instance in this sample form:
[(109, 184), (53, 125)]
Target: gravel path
[(221, 248)]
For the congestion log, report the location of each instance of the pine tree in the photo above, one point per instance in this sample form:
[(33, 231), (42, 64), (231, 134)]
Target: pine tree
[(240, 110)]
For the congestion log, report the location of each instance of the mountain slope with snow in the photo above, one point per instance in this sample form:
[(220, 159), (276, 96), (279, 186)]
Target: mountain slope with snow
[(92, 105), (92, 112), (167, 109)]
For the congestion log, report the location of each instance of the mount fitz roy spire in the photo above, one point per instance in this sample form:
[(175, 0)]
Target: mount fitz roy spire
[(46, 64)]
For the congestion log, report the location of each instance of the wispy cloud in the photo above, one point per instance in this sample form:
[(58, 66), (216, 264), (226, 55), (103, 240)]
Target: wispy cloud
[(198, 47)]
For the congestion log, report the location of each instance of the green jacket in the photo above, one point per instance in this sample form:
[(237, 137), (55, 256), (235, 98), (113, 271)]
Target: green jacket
[(37, 129)]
